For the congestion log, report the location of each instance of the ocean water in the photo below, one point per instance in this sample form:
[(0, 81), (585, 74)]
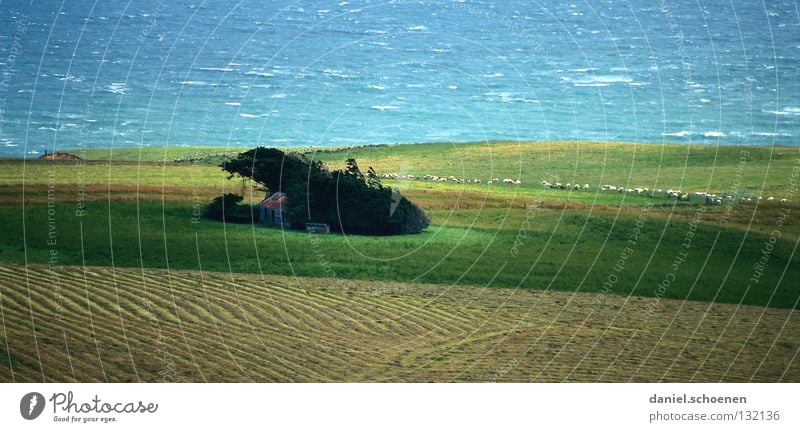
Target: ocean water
[(322, 73)]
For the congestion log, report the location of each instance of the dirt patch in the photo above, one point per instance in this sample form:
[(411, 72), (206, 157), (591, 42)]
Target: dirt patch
[(59, 156)]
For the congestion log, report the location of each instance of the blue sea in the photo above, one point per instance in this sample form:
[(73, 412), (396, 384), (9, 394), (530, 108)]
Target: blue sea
[(329, 73)]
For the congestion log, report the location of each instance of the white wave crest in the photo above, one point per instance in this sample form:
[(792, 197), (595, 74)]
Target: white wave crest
[(385, 107)]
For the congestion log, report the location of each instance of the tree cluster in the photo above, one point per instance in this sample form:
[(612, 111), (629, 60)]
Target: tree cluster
[(348, 200)]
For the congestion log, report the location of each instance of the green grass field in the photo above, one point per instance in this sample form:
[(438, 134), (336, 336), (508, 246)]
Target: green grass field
[(145, 214), (543, 249), (131, 213)]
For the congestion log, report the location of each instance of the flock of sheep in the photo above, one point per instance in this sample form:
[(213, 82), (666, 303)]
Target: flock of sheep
[(710, 198), (452, 179)]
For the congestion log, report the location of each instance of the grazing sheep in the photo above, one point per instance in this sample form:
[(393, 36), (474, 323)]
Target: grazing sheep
[(638, 190), (508, 181), (576, 186), (586, 185), (771, 199)]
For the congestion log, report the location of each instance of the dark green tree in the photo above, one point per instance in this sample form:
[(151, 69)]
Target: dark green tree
[(372, 178), (346, 199)]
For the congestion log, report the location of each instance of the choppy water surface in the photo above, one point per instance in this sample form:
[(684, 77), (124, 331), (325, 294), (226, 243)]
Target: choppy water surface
[(359, 72)]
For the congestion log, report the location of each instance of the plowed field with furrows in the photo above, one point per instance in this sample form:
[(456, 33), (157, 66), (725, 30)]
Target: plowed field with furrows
[(123, 324)]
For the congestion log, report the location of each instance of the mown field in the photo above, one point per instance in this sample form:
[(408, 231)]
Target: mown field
[(509, 283), (120, 325)]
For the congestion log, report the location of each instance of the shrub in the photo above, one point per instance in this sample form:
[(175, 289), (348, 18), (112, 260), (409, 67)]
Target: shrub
[(407, 217), (227, 208)]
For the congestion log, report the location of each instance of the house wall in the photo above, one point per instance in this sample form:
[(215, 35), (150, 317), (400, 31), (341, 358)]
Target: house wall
[(275, 217)]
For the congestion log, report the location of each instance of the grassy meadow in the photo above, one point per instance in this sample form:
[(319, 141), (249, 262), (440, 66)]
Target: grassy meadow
[(144, 213), (651, 278)]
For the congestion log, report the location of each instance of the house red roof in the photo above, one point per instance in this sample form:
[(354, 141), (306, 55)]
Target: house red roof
[(275, 201)]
